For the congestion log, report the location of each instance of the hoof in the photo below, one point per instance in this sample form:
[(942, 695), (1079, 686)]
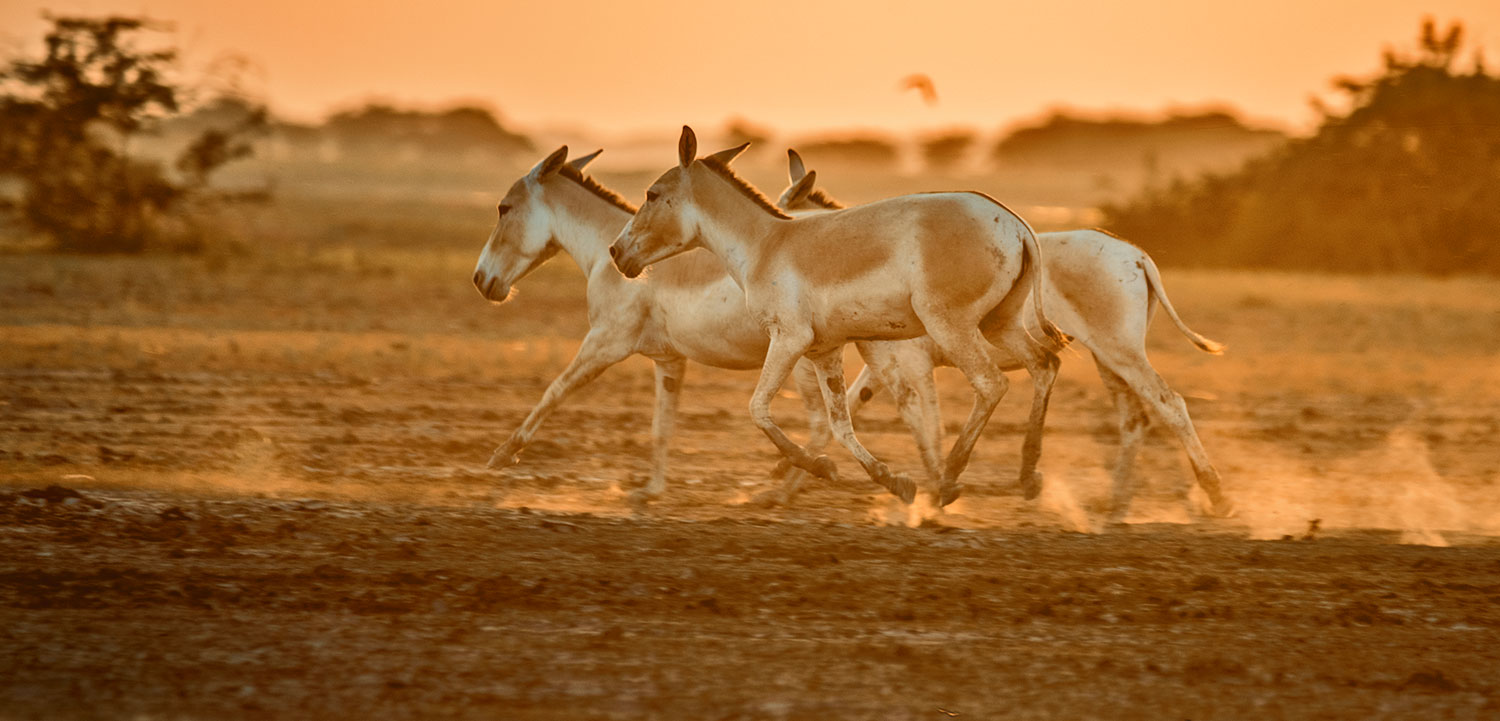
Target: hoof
[(1223, 508), (899, 485), (1032, 487), (642, 496), (508, 454), (782, 467), (770, 499), (948, 493), (823, 467)]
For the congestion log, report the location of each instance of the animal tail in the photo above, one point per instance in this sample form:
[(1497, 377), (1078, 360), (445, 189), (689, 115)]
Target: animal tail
[(1031, 255), (1153, 281)]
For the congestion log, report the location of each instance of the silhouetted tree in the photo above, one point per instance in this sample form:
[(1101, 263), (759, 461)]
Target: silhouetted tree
[(945, 149), (1407, 179), (852, 149), (740, 130), (66, 124), (378, 129)]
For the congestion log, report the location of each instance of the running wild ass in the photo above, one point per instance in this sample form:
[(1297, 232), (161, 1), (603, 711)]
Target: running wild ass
[(1100, 290), (951, 266), (688, 308)]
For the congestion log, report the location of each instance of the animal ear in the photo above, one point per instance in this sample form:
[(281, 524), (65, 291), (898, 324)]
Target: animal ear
[(794, 167), (579, 163), (801, 189), (551, 164), (726, 156), (687, 147)]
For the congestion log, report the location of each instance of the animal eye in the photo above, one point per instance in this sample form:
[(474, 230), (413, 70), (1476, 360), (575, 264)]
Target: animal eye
[(652, 195), (504, 208)]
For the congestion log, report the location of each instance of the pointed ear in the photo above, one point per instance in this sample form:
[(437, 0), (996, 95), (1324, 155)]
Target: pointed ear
[(726, 156), (578, 164), (794, 167), (687, 147), (801, 189), (550, 164)]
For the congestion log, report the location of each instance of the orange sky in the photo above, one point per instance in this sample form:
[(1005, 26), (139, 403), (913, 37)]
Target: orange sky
[(655, 64)]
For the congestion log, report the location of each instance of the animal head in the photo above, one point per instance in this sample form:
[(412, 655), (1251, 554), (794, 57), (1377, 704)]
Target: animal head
[(669, 222), (803, 196), (525, 230)]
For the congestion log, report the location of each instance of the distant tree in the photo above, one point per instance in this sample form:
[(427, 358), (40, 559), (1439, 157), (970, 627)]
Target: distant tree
[(1408, 179), (854, 148), (1182, 142), (377, 128), (945, 149), (740, 130), (66, 125)]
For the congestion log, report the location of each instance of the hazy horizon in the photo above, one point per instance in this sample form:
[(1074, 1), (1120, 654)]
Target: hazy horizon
[(610, 70)]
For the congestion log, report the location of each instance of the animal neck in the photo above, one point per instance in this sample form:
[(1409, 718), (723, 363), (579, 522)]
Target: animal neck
[(731, 224), (584, 224)]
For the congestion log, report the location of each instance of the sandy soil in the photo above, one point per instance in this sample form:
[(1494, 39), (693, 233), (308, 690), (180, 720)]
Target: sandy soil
[(215, 507), (275, 545)]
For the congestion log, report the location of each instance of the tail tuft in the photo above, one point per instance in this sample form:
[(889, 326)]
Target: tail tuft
[(1153, 281)]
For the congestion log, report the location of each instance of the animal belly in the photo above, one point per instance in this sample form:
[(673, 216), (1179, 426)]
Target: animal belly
[(869, 319), (717, 333)]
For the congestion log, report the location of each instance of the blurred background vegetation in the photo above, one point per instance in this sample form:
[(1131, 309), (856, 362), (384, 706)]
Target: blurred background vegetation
[(1407, 179), (106, 146)]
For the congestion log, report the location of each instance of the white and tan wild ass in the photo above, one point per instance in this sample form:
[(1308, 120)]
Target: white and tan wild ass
[(948, 265), (1100, 290), (688, 309)]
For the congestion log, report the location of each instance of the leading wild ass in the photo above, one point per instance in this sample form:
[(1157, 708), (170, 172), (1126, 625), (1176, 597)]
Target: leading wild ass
[(688, 309), (947, 265), (1100, 290)]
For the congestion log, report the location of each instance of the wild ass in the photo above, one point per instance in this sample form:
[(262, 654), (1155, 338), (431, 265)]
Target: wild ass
[(688, 308), (947, 265), (1100, 290)]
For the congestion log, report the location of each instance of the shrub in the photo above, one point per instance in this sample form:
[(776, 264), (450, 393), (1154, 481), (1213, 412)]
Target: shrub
[(1407, 180), (66, 125)]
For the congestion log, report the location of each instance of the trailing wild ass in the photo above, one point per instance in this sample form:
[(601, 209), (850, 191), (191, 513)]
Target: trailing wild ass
[(688, 308), (1100, 290), (947, 265)]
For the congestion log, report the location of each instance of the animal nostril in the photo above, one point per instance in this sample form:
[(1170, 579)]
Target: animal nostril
[(478, 278), (614, 251)]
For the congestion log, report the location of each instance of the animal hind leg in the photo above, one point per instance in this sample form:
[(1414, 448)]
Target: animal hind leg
[(1168, 407), (669, 375), (967, 349), (830, 365), (905, 369), (1134, 424), (1042, 365)]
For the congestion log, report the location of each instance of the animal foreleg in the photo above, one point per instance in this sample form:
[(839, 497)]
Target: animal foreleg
[(806, 379), (669, 375), (781, 356), (594, 356)]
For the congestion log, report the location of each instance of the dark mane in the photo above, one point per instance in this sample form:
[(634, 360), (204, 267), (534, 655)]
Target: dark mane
[(593, 186), (745, 188), (823, 200)]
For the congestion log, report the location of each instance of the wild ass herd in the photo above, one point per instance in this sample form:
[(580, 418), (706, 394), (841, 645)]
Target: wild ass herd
[(915, 282)]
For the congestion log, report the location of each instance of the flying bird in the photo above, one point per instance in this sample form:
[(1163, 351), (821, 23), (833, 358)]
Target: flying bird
[(922, 84)]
